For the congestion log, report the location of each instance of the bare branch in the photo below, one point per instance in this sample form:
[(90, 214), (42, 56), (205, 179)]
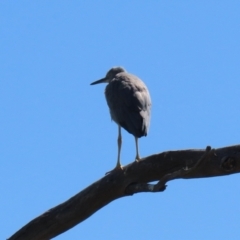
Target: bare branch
[(134, 178), (161, 185)]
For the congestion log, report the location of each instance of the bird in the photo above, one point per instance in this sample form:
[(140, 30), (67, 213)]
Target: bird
[(129, 103)]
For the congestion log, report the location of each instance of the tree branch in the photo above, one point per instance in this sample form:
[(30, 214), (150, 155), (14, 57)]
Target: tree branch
[(134, 178)]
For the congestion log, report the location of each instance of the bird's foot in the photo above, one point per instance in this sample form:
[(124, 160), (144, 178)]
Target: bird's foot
[(118, 167), (137, 159)]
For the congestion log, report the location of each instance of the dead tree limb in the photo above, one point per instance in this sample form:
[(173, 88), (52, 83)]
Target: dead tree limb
[(134, 178)]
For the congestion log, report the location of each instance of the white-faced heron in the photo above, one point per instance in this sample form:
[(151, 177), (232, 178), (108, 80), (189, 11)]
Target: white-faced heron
[(130, 105)]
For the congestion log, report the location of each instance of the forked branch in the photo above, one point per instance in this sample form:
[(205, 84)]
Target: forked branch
[(134, 178)]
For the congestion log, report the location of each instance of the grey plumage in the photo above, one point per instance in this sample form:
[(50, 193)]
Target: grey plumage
[(129, 102)]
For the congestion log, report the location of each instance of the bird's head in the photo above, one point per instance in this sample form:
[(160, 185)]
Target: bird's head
[(110, 75)]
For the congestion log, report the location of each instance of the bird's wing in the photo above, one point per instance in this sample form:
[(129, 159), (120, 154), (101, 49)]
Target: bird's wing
[(129, 102)]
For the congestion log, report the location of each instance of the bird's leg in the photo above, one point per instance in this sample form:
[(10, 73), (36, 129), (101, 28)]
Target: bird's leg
[(137, 156), (119, 141)]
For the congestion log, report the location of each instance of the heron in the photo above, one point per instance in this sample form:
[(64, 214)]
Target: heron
[(129, 103)]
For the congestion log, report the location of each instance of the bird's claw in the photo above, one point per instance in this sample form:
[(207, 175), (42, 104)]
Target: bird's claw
[(120, 167), (137, 160)]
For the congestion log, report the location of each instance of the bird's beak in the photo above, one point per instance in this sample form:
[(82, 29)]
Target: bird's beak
[(103, 80)]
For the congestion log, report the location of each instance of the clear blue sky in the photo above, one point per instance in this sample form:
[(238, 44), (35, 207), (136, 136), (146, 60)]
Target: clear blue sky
[(56, 135)]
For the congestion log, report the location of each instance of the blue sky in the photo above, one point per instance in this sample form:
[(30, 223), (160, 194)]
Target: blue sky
[(56, 133)]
